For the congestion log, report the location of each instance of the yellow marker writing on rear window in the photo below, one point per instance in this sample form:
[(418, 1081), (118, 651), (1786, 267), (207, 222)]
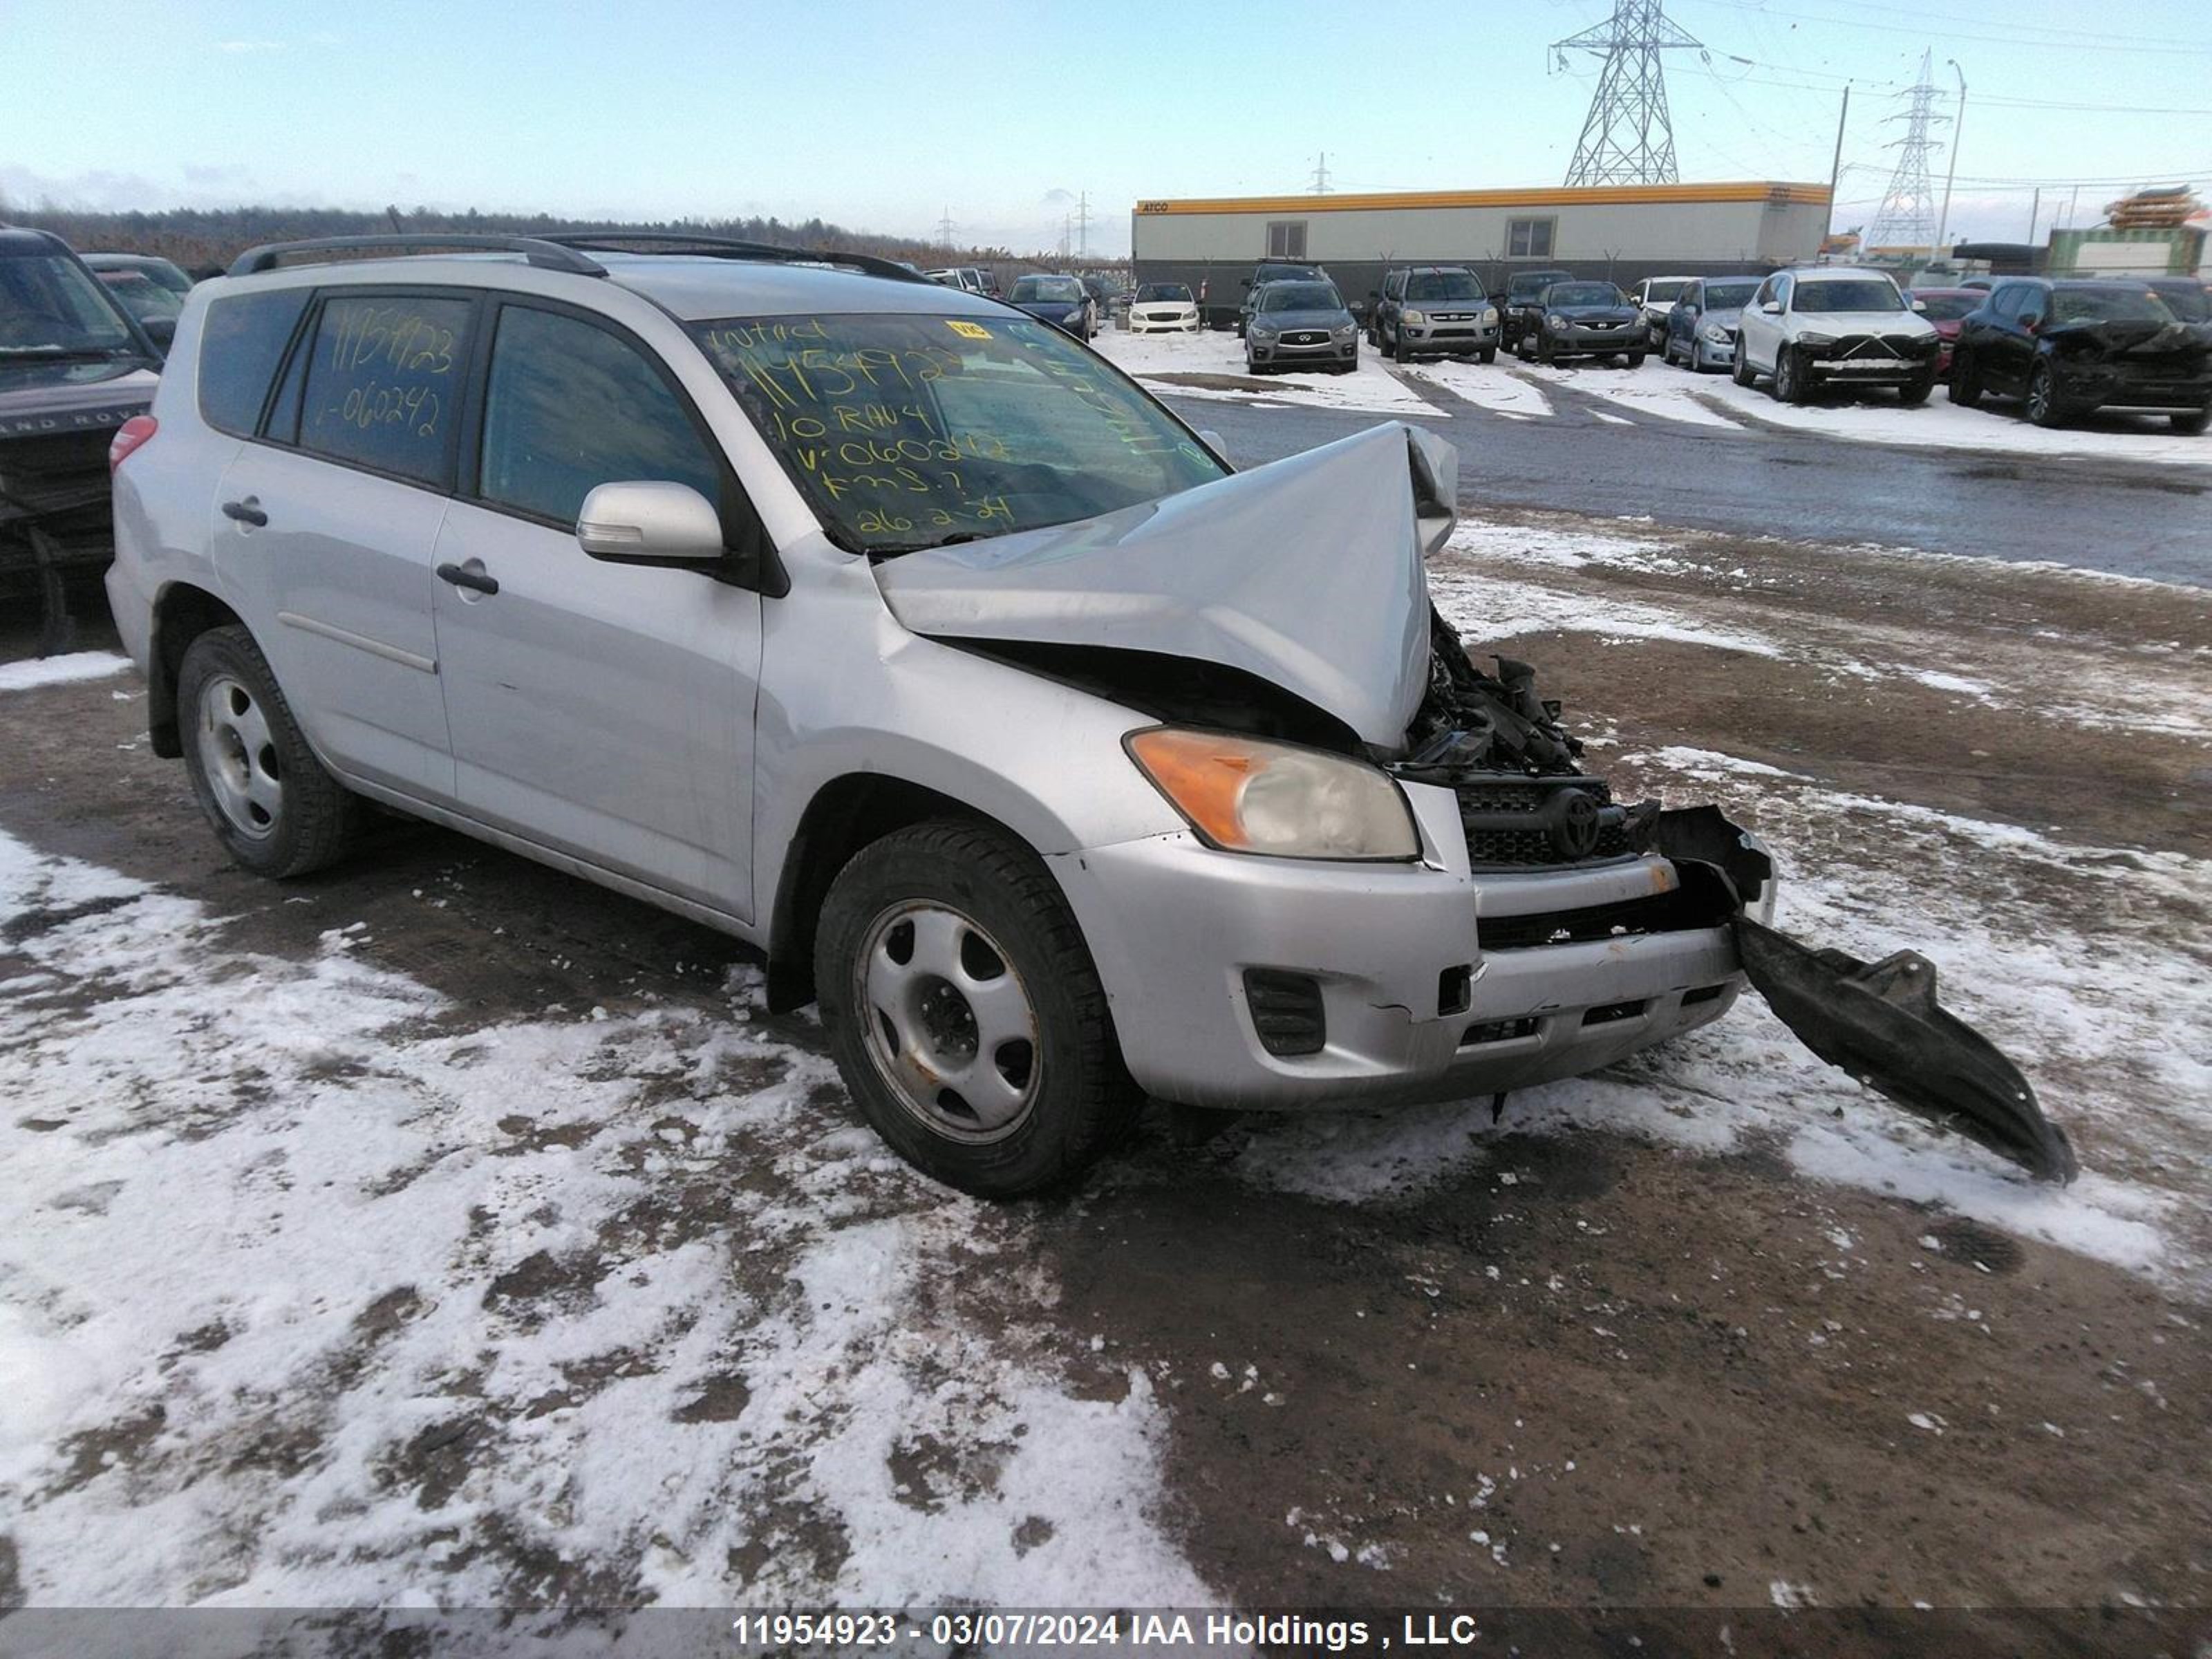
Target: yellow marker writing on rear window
[(971, 331)]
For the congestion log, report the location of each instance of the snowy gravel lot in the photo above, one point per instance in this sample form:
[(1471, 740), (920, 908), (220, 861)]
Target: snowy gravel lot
[(443, 1232)]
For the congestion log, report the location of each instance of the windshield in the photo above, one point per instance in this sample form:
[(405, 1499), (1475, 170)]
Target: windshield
[(1663, 293), (907, 431), (1730, 296), (1163, 294), (1299, 296), (147, 299), (1064, 290), (1583, 294), (1848, 294), (2107, 305), (2190, 304), (51, 306), (1948, 308), (1443, 285)]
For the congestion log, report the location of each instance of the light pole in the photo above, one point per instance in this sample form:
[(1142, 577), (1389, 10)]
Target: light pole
[(1957, 125)]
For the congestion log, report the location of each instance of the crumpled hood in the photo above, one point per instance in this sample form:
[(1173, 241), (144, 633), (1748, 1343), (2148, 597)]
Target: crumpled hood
[(2130, 337), (1306, 572)]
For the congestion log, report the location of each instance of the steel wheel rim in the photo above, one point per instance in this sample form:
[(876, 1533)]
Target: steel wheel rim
[(238, 758), (947, 1022)]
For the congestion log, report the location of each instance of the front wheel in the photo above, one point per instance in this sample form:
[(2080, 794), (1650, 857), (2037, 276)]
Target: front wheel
[(2191, 421), (965, 1013), (1487, 354), (1400, 353), (1792, 384), (2043, 408), (1635, 359), (273, 807), (1914, 392), (1547, 352), (1965, 387)]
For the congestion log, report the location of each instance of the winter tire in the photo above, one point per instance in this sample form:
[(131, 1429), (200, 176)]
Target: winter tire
[(1965, 387), (273, 807), (1740, 370), (2191, 421), (1914, 392), (1792, 383), (965, 1013), (2043, 408)]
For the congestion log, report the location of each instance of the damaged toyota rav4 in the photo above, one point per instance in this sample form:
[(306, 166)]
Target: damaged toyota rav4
[(890, 629)]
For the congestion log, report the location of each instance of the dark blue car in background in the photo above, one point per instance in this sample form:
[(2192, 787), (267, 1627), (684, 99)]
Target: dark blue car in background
[(1061, 300)]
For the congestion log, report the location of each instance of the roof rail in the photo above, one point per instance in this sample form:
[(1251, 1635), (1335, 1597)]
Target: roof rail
[(727, 247), (541, 251)]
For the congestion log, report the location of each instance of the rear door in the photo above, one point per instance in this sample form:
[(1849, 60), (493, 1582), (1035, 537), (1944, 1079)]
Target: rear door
[(602, 710), (325, 527), (2008, 349)]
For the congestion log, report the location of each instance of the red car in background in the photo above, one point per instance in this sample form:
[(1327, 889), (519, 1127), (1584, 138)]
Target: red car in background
[(1947, 308)]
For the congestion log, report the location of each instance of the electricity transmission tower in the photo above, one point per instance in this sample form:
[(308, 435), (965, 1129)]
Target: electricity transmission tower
[(1906, 218), (1627, 138), (1320, 175), (945, 227)]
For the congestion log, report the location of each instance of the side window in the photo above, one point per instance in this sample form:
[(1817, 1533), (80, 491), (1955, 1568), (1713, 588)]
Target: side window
[(1286, 239), (1765, 292), (1784, 286), (384, 378), (242, 339), (568, 407), (2005, 303), (1529, 239), (1393, 285)]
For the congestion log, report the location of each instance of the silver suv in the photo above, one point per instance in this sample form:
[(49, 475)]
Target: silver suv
[(893, 631)]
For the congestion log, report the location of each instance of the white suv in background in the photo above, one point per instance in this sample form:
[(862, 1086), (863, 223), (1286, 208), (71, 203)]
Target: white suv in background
[(1831, 324)]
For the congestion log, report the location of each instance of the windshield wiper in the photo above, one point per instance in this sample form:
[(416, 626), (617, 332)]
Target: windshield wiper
[(67, 353), (897, 547)]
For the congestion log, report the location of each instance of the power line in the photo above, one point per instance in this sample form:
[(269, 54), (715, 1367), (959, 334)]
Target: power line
[(1921, 29), (1925, 17), (1628, 137)]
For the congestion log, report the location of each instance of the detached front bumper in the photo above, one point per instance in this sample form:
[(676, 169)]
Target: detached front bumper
[(1412, 1007)]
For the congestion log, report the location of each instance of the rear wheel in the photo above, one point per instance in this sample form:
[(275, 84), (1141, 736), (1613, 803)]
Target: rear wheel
[(273, 807), (2191, 419), (2043, 408), (965, 1013)]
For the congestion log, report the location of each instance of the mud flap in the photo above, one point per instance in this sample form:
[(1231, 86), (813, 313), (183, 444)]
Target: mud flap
[(1881, 1022)]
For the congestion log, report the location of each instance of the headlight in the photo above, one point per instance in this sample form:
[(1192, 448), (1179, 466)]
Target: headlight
[(1247, 795), (1260, 330), (1816, 339), (1555, 320), (1716, 334), (1490, 317), (1419, 319), (1345, 331)]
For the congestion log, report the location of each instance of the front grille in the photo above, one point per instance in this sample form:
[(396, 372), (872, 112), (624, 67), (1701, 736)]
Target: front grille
[(1306, 336), (1527, 821), (1497, 1031), (1683, 911)]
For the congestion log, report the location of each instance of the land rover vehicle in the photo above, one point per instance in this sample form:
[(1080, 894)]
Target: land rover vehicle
[(1702, 323), (1586, 319), (2068, 347), (1832, 325), (1300, 323), (74, 365), (1433, 310), (1522, 306), (1059, 761)]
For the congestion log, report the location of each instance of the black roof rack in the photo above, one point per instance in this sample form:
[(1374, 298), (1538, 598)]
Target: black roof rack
[(725, 247), (542, 252)]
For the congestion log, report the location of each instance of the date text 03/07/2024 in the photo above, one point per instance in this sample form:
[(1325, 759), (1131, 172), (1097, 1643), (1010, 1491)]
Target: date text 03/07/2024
[(972, 1628)]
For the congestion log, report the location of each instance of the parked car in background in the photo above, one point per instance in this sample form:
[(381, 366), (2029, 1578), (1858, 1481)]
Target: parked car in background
[(1523, 306), (2189, 298), (1946, 310), (1423, 311), (2065, 348), (1271, 271), (1296, 324), (1102, 299), (154, 306), (1060, 301), (1162, 308), (75, 369), (155, 269), (1587, 319), (1655, 297), (1702, 323), (1834, 324), (968, 279)]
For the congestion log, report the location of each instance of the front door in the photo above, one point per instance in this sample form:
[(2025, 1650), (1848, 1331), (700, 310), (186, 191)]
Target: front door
[(603, 710)]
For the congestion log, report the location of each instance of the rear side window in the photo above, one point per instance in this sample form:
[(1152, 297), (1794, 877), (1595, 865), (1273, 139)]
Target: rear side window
[(241, 341), (569, 407), (384, 382)]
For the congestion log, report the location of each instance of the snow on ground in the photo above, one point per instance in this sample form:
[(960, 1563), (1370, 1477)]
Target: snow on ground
[(1493, 386), (2118, 1053), (1218, 352), (313, 1292), (34, 672), (1875, 416)]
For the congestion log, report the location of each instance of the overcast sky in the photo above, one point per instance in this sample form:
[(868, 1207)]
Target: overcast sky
[(887, 114)]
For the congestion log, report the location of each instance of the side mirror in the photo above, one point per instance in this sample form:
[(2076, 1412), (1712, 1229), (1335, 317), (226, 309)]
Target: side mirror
[(1771, 307), (1243, 281), (2033, 321), (1920, 305), (161, 330), (1212, 441), (646, 523)]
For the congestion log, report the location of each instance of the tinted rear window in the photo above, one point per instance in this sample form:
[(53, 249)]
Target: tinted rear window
[(241, 342), (384, 382)]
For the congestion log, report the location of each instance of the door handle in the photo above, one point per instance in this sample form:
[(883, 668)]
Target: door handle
[(245, 512), (475, 580)]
